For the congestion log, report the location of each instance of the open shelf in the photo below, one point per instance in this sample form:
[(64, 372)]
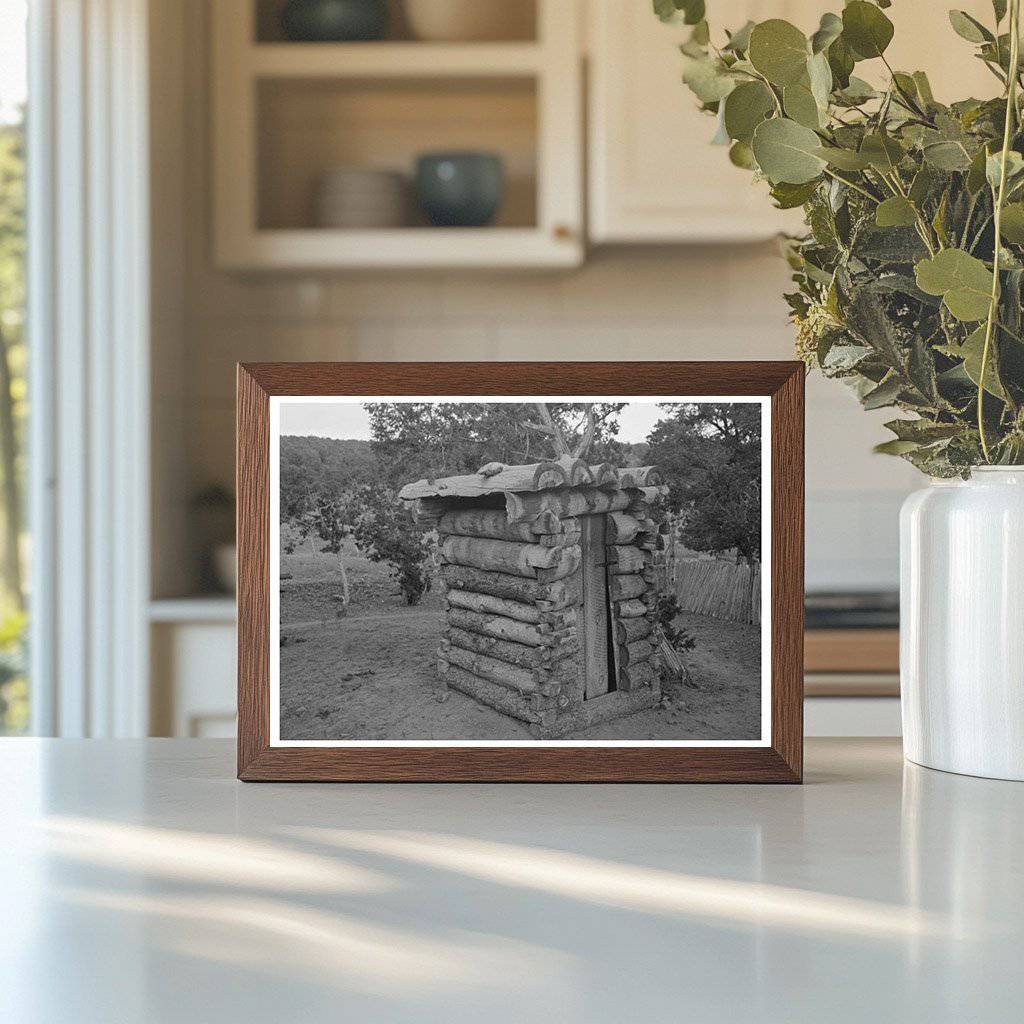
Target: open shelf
[(309, 127), (406, 248), (520, 24), (391, 60)]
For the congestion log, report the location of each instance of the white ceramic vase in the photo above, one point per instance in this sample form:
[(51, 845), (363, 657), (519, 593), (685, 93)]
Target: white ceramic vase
[(962, 624)]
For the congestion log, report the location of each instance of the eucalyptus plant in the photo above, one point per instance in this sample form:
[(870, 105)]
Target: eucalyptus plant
[(910, 278)]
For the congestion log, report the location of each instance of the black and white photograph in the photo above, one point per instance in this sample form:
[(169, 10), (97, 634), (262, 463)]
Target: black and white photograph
[(452, 571)]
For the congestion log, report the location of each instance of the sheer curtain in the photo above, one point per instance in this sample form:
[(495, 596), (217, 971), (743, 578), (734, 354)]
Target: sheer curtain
[(88, 325)]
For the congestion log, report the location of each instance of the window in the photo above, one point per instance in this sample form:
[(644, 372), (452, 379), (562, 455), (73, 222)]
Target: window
[(14, 692)]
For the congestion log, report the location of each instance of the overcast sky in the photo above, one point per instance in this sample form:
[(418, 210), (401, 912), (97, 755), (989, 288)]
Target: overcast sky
[(349, 421)]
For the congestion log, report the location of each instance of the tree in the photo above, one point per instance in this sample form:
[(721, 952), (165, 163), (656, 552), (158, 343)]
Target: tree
[(323, 466), (383, 530), (413, 440), (13, 407), (387, 531), (329, 517), (12, 348), (710, 456)]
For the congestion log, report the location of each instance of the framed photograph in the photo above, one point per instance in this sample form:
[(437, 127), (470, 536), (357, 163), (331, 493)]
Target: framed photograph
[(520, 571)]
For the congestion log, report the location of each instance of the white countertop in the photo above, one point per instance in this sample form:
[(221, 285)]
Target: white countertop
[(140, 882)]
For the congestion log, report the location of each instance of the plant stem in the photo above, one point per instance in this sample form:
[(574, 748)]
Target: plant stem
[(907, 99), (775, 98), (923, 230), (1011, 108), (853, 185)]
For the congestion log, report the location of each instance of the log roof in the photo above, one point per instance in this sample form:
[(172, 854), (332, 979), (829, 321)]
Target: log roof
[(565, 473)]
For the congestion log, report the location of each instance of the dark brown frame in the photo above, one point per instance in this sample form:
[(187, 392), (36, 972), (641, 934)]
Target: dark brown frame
[(782, 761)]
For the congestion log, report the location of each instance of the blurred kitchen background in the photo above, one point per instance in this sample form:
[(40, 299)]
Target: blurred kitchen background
[(292, 219)]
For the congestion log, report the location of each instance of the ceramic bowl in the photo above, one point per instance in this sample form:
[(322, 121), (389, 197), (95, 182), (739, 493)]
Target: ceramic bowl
[(459, 189), (359, 197), (333, 21), (470, 20)]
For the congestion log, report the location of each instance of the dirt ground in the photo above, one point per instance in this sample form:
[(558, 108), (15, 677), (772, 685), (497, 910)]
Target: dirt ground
[(372, 673)]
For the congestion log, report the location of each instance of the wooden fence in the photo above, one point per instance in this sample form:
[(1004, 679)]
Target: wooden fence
[(719, 589)]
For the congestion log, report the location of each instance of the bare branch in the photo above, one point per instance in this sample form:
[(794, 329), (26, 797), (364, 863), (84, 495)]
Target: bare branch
[(540, 428), (588, 436), (550, 427)]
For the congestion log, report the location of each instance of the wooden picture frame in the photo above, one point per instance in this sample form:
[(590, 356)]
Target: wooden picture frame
[(778, 758)]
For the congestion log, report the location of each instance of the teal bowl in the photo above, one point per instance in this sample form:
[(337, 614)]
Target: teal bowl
[(460, 190), (334, 21)]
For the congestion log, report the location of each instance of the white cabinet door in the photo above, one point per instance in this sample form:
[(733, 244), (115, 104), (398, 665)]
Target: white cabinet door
[(654, 177)]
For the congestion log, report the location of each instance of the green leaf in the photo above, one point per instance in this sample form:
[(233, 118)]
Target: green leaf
[(741, 155), (976, 174), (883, 152), (866, 29), (924, 88), (971, 351), (819, 74), (939, 220), (993, 167), (889, 245), (857, 91), (969, 28), (895, 212), (895, 447), (885, 394), (840, 61), (739, 41), (788, 196), (779, 51), (707, 78), (701, 34), (844, 159), (829, 30), (905, 84), (843, 358), (690, 12), (923, 431), (787, 152), (963, 281), (947, 156), (922, 185), (666, 10), (868, 319), (921, 369), (999, 9), (693, 10), (745, 108), (801, 106), (1012, 223)]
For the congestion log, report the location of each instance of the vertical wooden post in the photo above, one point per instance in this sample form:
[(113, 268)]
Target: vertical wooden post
[(593, 615)]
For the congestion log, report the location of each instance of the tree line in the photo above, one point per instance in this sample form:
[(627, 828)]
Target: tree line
[(335, 490)]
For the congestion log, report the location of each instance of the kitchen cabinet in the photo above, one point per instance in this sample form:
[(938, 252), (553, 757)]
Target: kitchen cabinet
[(192, 645), (287, 114), (653, 175)]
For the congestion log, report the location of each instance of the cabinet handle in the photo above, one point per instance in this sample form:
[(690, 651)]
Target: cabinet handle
[(562, 232)]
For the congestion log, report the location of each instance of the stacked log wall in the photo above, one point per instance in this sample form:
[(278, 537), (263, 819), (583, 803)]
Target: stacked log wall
[(511, 638), (514, 590), (634, 584)]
